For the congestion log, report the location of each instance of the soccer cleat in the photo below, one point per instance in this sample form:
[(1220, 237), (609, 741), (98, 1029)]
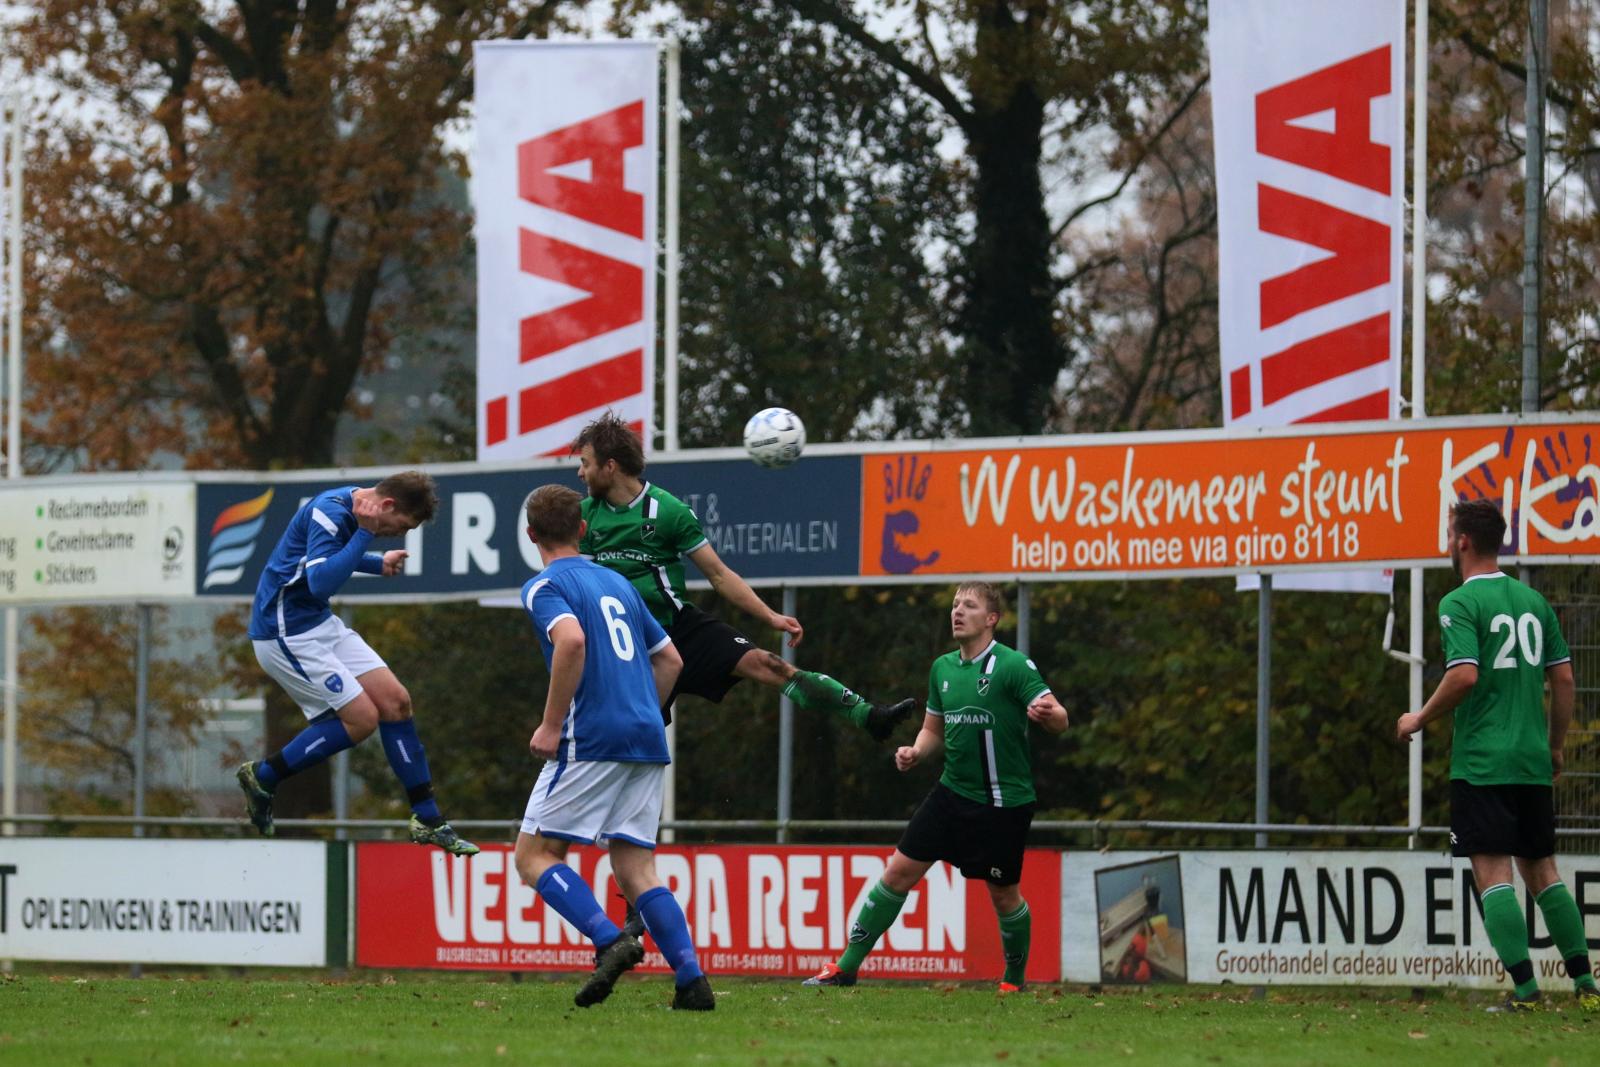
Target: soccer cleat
[(1006, 988), (443, 835), (1588, 1000), (257, 798), (696, 996), (611, 963), (831, 975), (1515, 1005), (883, 718)]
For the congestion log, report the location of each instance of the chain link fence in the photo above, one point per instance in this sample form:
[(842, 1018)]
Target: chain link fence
[(1574, 593)]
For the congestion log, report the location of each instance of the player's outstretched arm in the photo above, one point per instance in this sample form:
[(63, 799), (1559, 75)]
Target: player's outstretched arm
[(566, 670), (1047, 711), (1563, 695), (736, 591), (1453, 689)]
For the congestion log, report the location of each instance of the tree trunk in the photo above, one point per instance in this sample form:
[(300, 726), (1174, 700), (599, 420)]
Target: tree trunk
[(1012, 354)]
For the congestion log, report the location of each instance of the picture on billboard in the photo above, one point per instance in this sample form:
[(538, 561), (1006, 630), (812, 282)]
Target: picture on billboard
[(1140, 911)]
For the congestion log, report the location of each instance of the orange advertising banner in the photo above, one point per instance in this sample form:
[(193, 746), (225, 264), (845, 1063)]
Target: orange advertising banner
[(1230, 502)]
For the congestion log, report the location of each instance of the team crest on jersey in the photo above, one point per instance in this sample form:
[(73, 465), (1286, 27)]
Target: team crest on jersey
[(983, 685), (647, 529), (334, 683)]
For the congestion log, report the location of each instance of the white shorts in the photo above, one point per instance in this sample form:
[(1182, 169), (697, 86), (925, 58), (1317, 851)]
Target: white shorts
[(591, 802), (319, 668)]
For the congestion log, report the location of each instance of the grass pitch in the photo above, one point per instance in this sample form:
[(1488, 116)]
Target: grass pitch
[(425, 1019)]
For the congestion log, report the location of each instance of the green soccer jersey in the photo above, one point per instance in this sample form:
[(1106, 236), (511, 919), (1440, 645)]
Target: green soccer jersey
[(984, 704), (645, 541), (1510, 633)]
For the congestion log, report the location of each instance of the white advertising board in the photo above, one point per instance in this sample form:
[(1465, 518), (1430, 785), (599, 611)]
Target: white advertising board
[(1295, 918), (247, 903), (104, 541)]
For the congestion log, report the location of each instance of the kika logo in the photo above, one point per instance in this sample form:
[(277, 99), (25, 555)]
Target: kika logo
[(233, 540), (905, 483)]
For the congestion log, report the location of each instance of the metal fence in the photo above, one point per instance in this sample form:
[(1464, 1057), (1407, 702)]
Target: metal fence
[(1574, 593)]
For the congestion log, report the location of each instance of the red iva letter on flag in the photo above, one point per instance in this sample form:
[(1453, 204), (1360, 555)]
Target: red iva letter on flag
[(1347, 89), (1360, 259), (615, 295), (601, 140)]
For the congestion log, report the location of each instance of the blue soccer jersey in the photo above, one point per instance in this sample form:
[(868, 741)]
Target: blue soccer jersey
[(615, 715), (316, 555)]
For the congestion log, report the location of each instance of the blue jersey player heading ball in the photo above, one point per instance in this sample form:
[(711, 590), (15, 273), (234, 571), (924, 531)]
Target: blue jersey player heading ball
[(344, 688), (605, 751)]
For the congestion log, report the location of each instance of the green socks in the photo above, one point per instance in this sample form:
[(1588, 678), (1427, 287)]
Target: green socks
[(1566, 928), (1508, 933), (877, 915), (818, 692), (1016, 933)]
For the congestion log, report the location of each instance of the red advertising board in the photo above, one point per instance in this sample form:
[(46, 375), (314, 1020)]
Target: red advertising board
[(753, 909)]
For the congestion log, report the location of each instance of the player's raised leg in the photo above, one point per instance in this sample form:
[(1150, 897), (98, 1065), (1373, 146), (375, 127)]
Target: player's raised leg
[(812, 691), (882, 907), (341, 716), (1565, 923), (635, 870), (397, 729)]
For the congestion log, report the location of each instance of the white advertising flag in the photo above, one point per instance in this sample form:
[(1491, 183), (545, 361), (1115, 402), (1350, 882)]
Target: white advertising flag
[(564, 187), (1307, 102)]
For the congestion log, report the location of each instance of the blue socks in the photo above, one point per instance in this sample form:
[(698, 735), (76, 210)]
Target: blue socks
[(665, 921), (410, 765), (325, 736), (574, 901)]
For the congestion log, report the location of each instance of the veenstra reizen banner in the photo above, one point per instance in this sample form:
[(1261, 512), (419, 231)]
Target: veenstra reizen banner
[(801, 523)]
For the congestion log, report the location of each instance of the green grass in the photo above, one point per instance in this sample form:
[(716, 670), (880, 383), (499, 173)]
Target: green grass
[(97, 1018)]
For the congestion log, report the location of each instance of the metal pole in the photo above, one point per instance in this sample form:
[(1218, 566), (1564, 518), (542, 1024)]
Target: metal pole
[(1419, 316), (1024, 616), (669, 787), (1263, 698), (669, 326), (786, 736), (141, 712), (13, 441), (1533, 204), (14, 289), (341, 764)]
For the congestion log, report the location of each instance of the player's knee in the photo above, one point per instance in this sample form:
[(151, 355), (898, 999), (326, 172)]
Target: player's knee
[(1006, 898), (360, 718), (395, 704)]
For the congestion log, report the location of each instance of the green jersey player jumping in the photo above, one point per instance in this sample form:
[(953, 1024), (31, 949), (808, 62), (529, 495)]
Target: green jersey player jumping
[(1501, 643), (981, 698), (644, 533)]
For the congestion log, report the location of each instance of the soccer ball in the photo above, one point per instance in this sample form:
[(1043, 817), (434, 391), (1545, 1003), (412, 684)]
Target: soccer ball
[(774, 437)]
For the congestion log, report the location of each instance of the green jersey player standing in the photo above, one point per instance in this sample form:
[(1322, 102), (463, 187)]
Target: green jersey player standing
[(981, 698), (644, 533), (1501, 643)]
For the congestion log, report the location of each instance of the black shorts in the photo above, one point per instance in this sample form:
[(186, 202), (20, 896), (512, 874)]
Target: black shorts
[(1502, 820), (710, 649), (982, 840)]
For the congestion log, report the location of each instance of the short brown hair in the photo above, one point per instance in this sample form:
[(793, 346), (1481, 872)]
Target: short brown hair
[(611, 438), (554, 514), (414, 492), (1483, 524), (987, 592)]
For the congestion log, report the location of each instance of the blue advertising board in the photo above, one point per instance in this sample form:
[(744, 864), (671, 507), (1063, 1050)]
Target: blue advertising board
[(800, 524)]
